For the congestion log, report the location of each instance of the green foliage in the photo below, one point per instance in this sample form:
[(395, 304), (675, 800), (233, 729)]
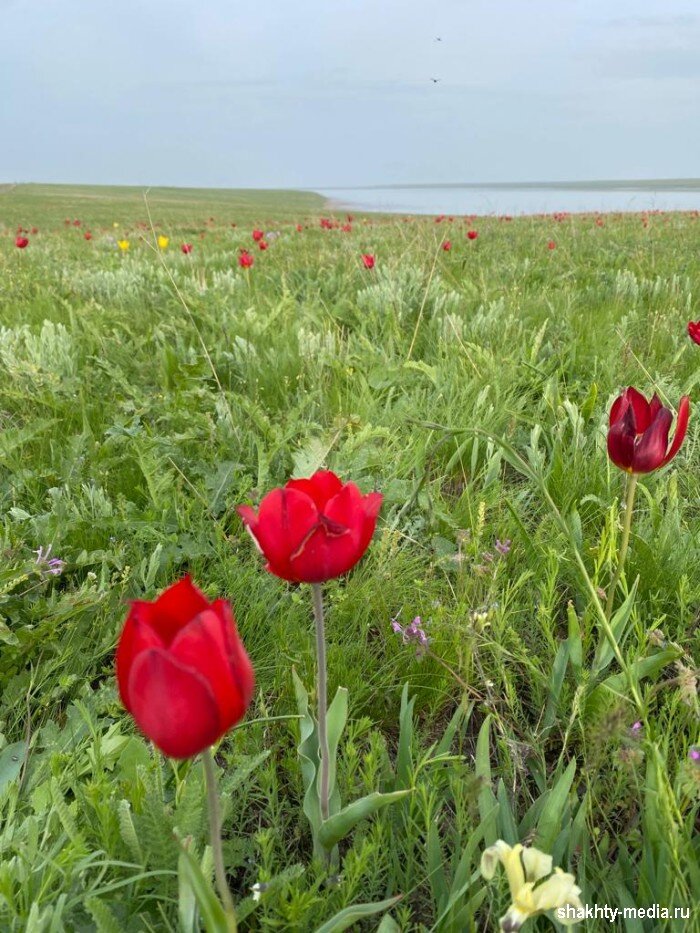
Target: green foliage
[(472, 390)]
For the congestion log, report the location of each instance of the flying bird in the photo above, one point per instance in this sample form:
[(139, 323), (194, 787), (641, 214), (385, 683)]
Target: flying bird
[(438, 39), (435, 80)]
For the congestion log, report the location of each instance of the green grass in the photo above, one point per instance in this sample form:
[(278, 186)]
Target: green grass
[(144, 395)]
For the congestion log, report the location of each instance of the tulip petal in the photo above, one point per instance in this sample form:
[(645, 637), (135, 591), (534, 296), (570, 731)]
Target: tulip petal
[(137, 635), (204, 645), (175, 607), (321, 487), (681, 429), (621, 438), (285, 519), (650, 451), (172, 704)]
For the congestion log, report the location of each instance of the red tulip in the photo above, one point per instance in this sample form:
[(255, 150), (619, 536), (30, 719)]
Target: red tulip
[(245, 260), (347, 228), (299, 228), (638, 432), (694, 331), (34, 230), (447, 246), (186, 248), (472, 234), (368, 260), (21, 242), (88, 235), (182, 670), (313, 529), (258, 235), (551, 245), (263, 244)]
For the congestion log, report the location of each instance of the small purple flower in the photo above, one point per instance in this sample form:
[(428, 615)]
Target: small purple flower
[(636, 729), (47, 564), (413, 632), (503, 547), (694, 755)]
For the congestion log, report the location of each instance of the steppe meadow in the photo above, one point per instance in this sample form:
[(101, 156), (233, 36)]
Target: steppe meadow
[(500, 538)]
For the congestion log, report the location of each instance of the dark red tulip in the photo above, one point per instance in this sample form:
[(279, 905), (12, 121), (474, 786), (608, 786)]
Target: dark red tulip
[(21, 242), (263, 244), (182, 670), (368, 260), (694, 331), (472, 234), (447, 246), (299, 228), (638, 432), (88, 235), (245, 260), (313, 529), (186, 248), (258, 235), (551, 245), (347, 228)]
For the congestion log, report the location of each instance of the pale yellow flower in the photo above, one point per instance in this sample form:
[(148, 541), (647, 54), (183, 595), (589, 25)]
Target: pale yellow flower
[(163, 241), (524, 868), (123, 245)]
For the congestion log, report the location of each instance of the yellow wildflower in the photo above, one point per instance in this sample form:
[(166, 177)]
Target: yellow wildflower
[(123, 245), (524, 868), (163, 241)]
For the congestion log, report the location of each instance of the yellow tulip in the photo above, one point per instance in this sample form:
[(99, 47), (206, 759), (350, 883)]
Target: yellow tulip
[(163, 241), (123, 245), (524, 868)]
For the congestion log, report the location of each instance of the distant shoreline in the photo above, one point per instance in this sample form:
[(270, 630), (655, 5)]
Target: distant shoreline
[(642, 184)]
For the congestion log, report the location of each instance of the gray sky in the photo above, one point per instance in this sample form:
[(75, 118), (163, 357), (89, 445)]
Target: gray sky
[(337, 92)]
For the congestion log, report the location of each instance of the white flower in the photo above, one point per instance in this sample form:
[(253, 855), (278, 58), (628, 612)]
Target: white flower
[(524, 868)]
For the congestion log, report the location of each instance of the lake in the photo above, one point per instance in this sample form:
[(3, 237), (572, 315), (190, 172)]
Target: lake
[(544, 198)]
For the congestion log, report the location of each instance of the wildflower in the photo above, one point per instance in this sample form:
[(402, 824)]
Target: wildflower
[(299, 228), (21, 242), (447, 246), (694, 331), (263, 244), (551, 244), (163, 241), (347, 228), (638, 432), (258, 235), (413, 633), (368, 260), (123, 245), (87, 235), (48, 564), (245, 260), (472, 234), (503, 547), (258, 889), (182, 670), (313, 529), (186, 248), (694, 755), (531, 895)]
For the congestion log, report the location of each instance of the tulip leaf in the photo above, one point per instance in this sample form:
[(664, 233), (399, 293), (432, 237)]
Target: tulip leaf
[(338, 826), (335, 723), (308, 758), (404, 756), (11, 760), (191, 875), (356, 912), (487, 799)]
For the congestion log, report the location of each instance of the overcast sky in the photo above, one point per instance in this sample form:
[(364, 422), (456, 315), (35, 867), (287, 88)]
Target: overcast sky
[(316, 93)]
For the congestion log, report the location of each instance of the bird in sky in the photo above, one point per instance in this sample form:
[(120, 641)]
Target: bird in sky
[(435, 80), (438, 39)]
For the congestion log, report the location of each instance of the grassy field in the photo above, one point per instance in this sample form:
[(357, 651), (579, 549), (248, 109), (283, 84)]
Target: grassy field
[(144, 395)]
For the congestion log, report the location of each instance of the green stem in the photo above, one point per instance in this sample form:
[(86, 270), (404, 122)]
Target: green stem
[(322, 690), (626, 528), (215, 836)]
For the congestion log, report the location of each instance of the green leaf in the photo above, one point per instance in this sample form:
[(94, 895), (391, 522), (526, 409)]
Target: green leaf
[(574, 640), (308, 758), (339, 825), (555, 684), (404, 762), (487, 799), (549, 823), (388, 925), (190, 875), (619, 626), (11, 759), (356, 912), (336, 718)]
